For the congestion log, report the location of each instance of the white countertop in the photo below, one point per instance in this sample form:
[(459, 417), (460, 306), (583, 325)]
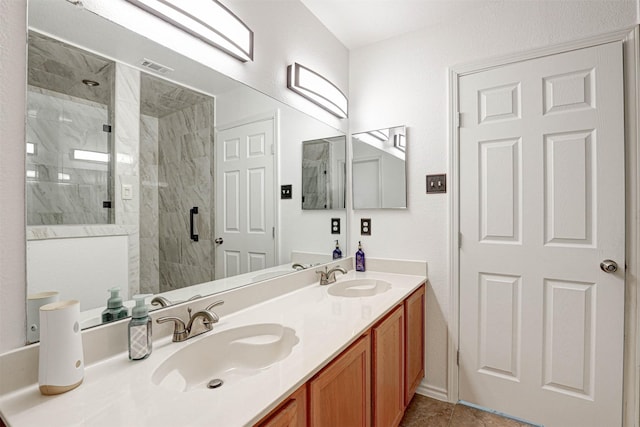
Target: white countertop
[(119, 392)]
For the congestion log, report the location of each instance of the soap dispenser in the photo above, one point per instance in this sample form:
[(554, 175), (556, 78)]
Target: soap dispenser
[(337, 253), (360, 258), (140, 344), (115, 310)]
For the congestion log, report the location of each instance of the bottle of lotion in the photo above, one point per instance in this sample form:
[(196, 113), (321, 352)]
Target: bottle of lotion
[(360, 258), (140, 344), (337, 253)]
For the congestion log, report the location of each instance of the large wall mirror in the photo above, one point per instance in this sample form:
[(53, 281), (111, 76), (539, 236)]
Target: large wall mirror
[(379, 168), (156, 176)]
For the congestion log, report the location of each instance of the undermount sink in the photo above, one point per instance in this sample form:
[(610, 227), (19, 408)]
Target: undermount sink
[(359, 288), (228, 355)]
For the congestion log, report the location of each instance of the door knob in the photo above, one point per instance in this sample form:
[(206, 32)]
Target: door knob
[(609, 266), (219, 241)]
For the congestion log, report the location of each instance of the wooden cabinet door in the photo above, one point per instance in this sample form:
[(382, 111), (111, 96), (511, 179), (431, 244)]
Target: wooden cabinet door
[(290, 413), (414, 342), (388, 370), (340, 395)]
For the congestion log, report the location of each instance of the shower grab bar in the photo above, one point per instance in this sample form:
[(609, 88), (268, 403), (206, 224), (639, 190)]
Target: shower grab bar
[(193, 211)]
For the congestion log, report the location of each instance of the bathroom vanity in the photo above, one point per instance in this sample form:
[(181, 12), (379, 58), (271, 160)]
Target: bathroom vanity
[(302, 356)]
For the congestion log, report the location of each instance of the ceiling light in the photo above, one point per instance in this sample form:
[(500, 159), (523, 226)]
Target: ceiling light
[(31, 148), (208, 20), (91, 156), (317, 89)]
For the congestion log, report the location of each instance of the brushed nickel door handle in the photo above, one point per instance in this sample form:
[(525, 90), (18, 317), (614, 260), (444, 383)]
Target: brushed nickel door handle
[(609, 266)]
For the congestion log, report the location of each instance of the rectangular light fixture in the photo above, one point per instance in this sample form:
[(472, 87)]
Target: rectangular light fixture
[(32, 173), (367, 138), (64, 176), (91, 156), (208, 20), (317, 89), (382, 134), (31, 148)]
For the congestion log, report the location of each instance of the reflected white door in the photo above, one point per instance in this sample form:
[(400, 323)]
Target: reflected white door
[(367, 188), (541, 205), (245, 209)]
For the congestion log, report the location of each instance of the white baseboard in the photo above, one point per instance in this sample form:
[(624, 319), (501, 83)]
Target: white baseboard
[(434, 392)]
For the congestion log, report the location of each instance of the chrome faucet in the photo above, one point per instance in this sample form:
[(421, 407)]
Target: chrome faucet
[(328, 277), (182, 332)]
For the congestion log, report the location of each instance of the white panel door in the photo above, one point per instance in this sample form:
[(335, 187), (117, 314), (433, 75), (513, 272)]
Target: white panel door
[(245, 209), (367, 188), (541, 205)]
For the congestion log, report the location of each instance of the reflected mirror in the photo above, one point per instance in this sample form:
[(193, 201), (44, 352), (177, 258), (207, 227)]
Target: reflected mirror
[(136, 182), (323, 173), (379, 169)]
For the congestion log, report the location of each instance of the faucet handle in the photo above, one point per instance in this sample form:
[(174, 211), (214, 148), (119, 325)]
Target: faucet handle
[(214, 304)]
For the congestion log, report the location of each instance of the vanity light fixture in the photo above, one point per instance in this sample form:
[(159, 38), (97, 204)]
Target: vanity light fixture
[(368, 138), (317, 89), (91, 156), (208, 20), (382, 134)]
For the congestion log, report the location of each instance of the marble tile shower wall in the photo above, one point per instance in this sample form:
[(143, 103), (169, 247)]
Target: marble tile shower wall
[(149, 214), (185, 180), (61, 190), (126, 137)]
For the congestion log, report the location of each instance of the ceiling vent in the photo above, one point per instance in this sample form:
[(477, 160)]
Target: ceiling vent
[(154, 66)]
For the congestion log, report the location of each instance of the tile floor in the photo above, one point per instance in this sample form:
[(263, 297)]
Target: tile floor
[(426, 412)]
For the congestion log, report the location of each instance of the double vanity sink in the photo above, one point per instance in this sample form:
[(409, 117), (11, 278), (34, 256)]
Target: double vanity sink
[(232, 376)]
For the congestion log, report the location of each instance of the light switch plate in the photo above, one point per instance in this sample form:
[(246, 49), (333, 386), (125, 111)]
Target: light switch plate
[(285, 191), (437, 183), (335, 225), (365, 226), (127, 192)]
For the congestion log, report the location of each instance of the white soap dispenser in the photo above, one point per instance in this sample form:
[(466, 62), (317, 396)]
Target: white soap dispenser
[(140, 343)]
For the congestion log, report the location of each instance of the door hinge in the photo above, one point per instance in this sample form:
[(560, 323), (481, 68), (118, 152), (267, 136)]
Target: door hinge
[(273, 232), (458, 358), (273, 149), (458, 119), (459, 240)]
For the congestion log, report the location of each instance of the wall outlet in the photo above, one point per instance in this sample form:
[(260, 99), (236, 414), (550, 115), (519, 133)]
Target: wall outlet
[(335, 225), (437, 183), (365, 226), (286, 191)]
